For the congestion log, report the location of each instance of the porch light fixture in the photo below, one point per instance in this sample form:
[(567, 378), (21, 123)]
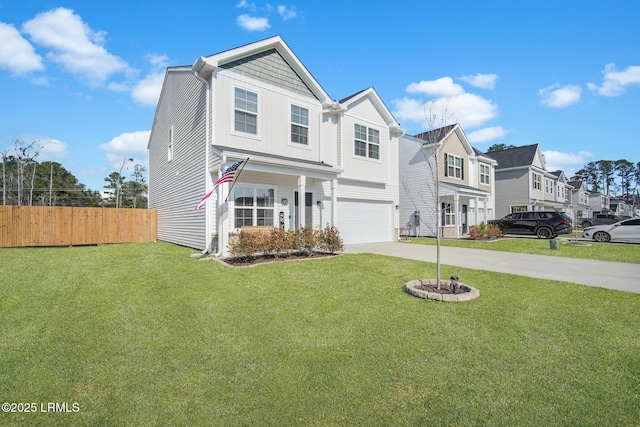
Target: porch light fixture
[(284, 202)]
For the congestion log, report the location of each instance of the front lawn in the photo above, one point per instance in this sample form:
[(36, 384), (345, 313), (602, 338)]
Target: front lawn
[(569, 247), (143, 334)]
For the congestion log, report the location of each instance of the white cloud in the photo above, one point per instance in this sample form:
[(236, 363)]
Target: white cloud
[(147, 91), (557, 96), (246, 4), (615, 82), (17, 54), (52, 149), (287, 13), (483, 81), (488, 134), (441, 87), (129, 145), (251, 23), (556, 160), (75, 46)]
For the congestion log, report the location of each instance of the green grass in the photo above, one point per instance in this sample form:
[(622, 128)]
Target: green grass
[(142, 334), (618, 252)]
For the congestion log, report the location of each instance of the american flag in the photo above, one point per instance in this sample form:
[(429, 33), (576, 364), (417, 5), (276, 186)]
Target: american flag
[(227, 176)]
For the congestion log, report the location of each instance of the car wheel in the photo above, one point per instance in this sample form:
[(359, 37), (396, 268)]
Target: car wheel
[(586, 224), (544, 233), (601, 236)]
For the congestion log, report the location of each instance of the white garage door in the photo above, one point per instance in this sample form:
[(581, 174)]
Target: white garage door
[(365, 222)]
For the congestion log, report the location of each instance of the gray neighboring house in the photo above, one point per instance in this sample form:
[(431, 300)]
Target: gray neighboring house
[(579, 200), (523, 184), (466, 177)]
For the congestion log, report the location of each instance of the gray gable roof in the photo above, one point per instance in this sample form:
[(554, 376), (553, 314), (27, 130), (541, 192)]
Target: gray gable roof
[(435, 135), (514, 157)]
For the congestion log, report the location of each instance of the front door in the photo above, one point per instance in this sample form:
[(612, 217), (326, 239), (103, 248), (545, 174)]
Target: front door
[(308, 209), (464, 219)]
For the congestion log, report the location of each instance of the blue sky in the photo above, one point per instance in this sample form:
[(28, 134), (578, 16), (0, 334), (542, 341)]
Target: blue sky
[(83, 78)]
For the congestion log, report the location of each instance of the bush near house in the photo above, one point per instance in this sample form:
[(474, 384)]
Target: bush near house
[(484, 231), (278, 243)]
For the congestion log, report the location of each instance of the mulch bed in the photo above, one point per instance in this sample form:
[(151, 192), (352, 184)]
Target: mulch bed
[(445, 288), (241, 262)]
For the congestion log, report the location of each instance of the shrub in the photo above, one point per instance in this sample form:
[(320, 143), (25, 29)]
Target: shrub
[(247, 245), (330, 240), (484, 231), (278, 242), (307, 240)]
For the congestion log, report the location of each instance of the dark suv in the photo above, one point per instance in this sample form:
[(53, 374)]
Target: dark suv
[(544, 224)]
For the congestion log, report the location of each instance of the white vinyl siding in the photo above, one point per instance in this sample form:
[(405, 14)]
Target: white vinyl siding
[(176, 187)]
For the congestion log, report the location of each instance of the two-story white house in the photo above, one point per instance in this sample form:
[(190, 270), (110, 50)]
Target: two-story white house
[(312, 161), (466, 183)]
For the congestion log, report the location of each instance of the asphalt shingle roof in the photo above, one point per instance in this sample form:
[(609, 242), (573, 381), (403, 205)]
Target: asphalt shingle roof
[(514, 157)]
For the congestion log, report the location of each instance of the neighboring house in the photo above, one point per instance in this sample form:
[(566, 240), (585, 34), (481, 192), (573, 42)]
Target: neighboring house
[(579, 200), (523, 184), (312, 161), (599, 202), (562, 192), (466, 178), (620, 207)]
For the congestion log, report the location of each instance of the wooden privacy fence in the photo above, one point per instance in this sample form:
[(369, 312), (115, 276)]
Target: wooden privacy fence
[(63, 226)]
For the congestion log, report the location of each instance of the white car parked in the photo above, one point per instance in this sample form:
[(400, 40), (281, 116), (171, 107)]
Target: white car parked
[(621, 231)]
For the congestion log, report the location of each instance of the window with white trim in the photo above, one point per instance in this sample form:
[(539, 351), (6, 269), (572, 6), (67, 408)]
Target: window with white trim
[(453, 166), (548, 186), (253, 205), (170, 145), (448, 215), (246, 111), (299, 125), (485, 174), (367, 142), (537, 181)]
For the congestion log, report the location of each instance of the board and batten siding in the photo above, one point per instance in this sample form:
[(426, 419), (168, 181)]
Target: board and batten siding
[(274, 120), (176, 186), (416, 188), (364, 168)]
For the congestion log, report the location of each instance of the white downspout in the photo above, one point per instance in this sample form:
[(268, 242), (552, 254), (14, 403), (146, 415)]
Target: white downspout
[(207, 211)]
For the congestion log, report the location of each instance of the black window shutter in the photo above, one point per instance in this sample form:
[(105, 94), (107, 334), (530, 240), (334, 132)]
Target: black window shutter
[(461, 168), (446, 164)]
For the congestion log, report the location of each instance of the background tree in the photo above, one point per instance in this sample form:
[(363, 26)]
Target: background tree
[(589, 174), (500, 147), (625, 171), (112, 188)]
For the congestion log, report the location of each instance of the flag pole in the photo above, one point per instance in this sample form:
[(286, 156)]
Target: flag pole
[(234, 181)]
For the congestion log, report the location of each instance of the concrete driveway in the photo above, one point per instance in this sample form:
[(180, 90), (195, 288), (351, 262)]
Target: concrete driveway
[(610, 275)]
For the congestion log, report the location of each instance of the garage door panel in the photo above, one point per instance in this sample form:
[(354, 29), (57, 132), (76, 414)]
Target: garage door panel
[(364, 221)]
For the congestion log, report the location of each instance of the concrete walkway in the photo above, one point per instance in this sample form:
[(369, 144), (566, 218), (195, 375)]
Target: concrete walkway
[(610, 275)]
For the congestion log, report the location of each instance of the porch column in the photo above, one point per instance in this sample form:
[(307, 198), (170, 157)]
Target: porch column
[(222, 215), (334, 202), (302, 183), (475, 214), (456, 206)]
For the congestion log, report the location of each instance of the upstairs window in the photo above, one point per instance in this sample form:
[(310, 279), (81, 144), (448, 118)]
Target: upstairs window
[(453, 166), (537, 181), (367, 142), (548, 186), (485, 174), (246, 111), (299, 125)]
